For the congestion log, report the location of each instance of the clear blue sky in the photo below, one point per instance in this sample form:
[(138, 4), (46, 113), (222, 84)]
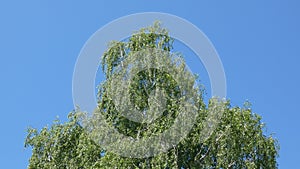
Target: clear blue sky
[(258, 42)]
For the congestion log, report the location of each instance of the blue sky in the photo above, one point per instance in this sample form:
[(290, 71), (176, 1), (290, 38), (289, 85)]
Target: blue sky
[(257, 41)]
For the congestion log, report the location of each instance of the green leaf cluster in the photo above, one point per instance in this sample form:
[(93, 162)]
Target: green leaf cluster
[(237, 141)]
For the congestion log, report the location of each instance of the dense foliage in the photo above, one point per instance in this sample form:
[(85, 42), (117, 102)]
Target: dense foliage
[(238, 141)]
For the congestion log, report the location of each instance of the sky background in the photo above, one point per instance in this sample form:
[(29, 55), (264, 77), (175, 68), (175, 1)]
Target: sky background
[(257, 41)]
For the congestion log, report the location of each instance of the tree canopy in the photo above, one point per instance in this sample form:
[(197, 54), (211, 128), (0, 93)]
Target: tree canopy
[(237, 141)]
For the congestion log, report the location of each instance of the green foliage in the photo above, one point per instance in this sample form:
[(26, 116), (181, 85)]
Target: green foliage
[(62, 146), (238, 141)]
